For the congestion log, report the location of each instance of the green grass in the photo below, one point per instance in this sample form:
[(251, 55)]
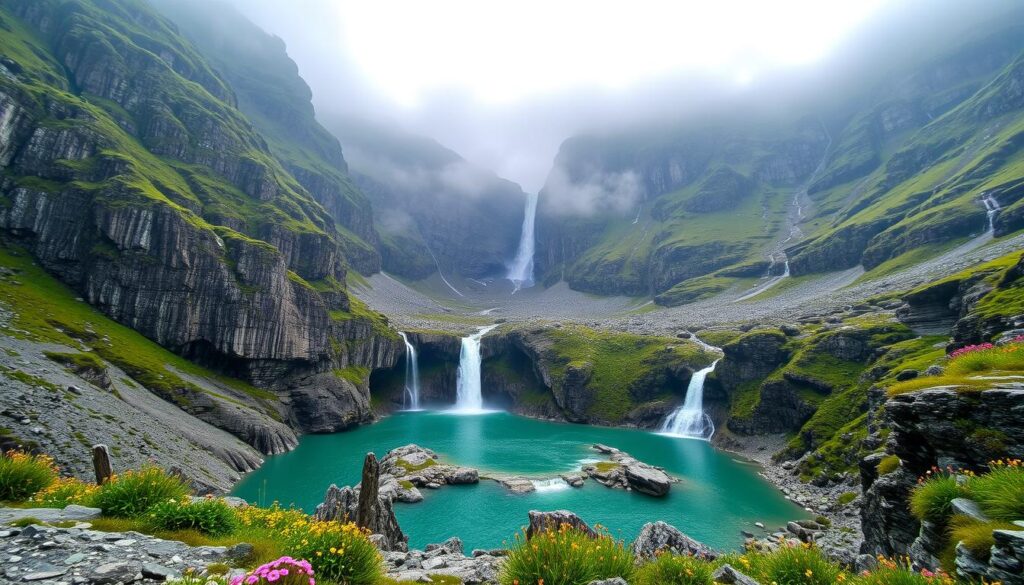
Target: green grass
[(933, 499), (22, 475), (669, 569), (134, 493), (410, 467), (357, 375), (888, 464), (999, 492), (975, 535), (565, 556)]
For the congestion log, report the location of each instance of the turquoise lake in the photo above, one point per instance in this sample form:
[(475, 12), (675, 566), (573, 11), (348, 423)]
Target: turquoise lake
[(719, 495)]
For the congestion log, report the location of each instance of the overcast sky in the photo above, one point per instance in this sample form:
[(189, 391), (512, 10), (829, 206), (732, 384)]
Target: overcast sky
[(504, 83)]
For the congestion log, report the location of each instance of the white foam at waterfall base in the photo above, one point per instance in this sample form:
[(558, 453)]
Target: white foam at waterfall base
[(555, 484), (520, 272), (411, 394), (689, 420), (468, 393)]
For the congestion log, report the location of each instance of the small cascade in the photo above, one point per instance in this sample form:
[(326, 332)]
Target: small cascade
[(520, 272), (555, 484), (468, 395), (690, 420), (991, 209), (411, 397)]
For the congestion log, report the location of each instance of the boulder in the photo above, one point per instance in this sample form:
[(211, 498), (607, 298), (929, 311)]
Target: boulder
[(657, 537), (541, 521), (648, 480), (727, 574)]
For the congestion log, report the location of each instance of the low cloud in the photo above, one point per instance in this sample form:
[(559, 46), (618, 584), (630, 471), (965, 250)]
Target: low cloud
[(455, 179), (598, 193)]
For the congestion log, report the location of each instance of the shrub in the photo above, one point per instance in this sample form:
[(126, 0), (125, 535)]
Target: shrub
[(673, 570), (986, 358), (1000, 492), (283, 571), (893, 572), (888, 464), (793, 565), (340, 552), (209, 516), (565, 557), (22, 475), (133, 493), (932, 498), (63, 492)]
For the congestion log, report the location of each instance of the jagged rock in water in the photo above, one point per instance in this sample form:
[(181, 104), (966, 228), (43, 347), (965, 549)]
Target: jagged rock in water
[(629, 473), (658, 537), (543, 521), (342, 504)]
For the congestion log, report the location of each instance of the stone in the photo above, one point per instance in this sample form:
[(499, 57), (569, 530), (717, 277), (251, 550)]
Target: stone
[(542, 521), (656, 537), (968, 508), (907, 374), (464, 475), (612, 581), (648, 480), (44, 572), (116, 572), (342, 503), (452, 546), (727, 574), (158, 572)]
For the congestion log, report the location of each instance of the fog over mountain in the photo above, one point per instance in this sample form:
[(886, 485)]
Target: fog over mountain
[(731, 55)]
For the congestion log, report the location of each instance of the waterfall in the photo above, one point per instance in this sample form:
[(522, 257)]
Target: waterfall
[(521, 270), (689, 420), (555, 484), (991, 209), (468, 396), (411, 397)]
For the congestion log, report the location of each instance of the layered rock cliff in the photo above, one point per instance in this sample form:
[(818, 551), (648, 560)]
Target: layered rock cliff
[(131, 174)]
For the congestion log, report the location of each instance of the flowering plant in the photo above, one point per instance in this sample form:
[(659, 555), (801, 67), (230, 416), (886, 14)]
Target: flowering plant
[(283, 571), (969, 349)]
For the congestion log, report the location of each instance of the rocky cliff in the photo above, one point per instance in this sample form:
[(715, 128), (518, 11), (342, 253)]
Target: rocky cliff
[(433, 209), (131, 174)]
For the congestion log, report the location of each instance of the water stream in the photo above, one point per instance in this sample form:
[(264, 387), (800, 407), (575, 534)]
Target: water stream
[(468, 394), (521, 270), (411, 396)]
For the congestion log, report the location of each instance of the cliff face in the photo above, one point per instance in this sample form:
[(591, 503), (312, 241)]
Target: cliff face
[(934, 428), (433, 209), (278, 102), (132, 176)]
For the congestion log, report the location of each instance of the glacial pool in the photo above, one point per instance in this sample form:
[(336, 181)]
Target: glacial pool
[(719, 495)]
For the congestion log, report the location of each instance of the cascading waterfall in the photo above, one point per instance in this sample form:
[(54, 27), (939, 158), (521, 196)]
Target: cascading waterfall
[(520, 272), (555, 484), (411, 397), (690, 420), (991, 209), (468, 395)]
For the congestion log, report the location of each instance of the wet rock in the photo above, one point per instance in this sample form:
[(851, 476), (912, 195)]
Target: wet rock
[(629, 473), (343, 504)]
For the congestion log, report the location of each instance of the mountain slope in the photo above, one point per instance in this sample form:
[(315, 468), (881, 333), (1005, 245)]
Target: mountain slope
[(130, 174), (433, 209), (893, 159), (278, 102)]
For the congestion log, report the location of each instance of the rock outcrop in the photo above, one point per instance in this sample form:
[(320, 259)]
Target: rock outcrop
[(343, 504), (626, 472), (938, 427), (658, 537), (541, 522)]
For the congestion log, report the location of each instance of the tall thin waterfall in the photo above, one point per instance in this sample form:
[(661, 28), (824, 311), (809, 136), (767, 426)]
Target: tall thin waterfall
[(991, 209), (520, 272), (468, 397), (689, 420), (411, 397)]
